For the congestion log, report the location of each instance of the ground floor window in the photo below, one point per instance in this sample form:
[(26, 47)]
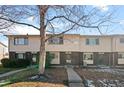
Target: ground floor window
[(120, 55), (68, 57), (34, 57), (88, 56), (55, 57), (20, 55)]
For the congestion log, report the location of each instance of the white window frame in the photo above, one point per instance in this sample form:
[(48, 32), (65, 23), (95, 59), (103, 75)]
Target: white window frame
[(122, 55), (20, 57), (55, 40), (121, 40), (34, 57), (20, 41), (87, 54), (92, 41)]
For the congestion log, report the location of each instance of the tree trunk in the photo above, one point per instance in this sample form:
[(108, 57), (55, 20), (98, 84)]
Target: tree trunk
[(42, 53)]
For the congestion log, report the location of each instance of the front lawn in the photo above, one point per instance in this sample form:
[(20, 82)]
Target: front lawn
[(57, 77), (4, 70)]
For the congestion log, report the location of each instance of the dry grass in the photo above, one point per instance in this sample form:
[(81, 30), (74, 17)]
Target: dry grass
[(90, 74), (57, 78), (57, 74), (5, 70), (35, 84), (95, 75)]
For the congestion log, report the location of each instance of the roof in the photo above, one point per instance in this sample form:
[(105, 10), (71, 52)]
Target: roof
[(73, 34), (3, 44)]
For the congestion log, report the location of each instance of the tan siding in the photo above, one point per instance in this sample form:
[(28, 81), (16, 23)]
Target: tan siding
[(2, 51), (104, 45), (33, 45), (71, 43), (118, 47)]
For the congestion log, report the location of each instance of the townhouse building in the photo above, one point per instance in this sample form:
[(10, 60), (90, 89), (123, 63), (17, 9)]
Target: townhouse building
[(72, 49), (3, 49)]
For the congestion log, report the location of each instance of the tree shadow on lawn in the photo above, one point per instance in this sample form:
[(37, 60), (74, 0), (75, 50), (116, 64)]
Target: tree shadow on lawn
[(55, 76)]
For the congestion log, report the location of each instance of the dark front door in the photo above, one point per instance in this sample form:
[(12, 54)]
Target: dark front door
[(68, 60), (102, 59)]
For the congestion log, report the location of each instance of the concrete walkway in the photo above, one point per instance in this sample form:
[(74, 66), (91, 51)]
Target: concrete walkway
[(73, 78), (12, 72)]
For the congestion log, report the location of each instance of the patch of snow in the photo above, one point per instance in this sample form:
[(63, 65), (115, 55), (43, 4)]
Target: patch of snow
[(110, 83), (89, 83), (110, 70)]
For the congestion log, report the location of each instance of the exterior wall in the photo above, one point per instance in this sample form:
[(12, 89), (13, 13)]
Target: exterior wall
[(104, 45), (117, 46), (2, 51), (109, 45), (33, 45), (70, 43)]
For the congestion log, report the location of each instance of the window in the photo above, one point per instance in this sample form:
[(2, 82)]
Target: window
[(92, 41), (56, 40), (20, 41), (120, 55), (21, 56), (34, 57), (68, 52), (122, 40), (88, 56)]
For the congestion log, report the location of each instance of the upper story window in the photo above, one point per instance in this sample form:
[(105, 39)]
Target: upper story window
[(56, 40), (122, 40), (20, 41), (120, 55), (92, 41)]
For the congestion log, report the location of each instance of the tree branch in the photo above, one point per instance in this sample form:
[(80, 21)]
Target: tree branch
[(19, 23)]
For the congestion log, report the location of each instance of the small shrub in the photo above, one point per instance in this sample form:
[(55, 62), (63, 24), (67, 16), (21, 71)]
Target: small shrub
[(23, 62), (49, 58), (15, 63), (5, 62)]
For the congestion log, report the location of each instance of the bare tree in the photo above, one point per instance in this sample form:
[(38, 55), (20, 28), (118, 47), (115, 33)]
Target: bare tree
[(47, 18)]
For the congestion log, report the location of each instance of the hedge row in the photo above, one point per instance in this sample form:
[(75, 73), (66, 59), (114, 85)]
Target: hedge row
[(15, 63), (9, 63)]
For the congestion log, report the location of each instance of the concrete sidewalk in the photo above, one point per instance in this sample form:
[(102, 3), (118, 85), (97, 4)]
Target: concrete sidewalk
[(12, 72), (73, 78)]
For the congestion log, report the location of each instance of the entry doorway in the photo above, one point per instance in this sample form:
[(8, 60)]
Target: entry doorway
[(68, 58), (102, 59)]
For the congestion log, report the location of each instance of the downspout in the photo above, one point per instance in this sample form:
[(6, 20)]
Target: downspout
[(111, 52), (112, 46)]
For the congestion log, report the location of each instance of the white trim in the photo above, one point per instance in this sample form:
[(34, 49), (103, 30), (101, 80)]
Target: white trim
[(20, 52), (88, 61), (120, 61)]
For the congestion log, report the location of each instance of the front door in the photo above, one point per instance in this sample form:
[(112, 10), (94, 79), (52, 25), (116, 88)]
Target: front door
[(68, 60), (103, 59), (34, 57)]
